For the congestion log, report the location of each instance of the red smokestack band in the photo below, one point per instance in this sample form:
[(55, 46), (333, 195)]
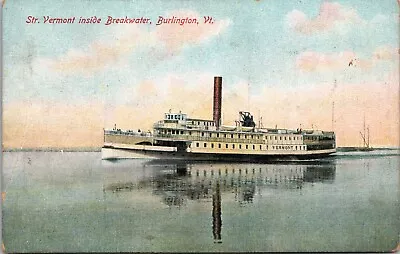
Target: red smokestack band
[(217, 101)]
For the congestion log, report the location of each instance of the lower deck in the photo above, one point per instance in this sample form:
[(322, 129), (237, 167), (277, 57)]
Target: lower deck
[(122, 151)]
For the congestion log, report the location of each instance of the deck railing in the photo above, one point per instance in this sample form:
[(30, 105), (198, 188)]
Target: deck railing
[(127, 133)]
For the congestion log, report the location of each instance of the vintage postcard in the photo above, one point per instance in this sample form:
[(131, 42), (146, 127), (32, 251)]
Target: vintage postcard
[(200, 126)]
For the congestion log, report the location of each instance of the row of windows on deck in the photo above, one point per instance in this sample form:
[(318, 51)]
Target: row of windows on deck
[(240, 146), (245, 136), (318, 138), (227, 146), (205, 123), (176, 117), (210, 134), (285, 138)]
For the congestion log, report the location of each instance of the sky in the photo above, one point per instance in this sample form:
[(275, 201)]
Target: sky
[(315, 64)]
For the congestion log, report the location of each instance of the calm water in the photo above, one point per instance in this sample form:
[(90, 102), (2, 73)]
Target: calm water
[(75, 202)]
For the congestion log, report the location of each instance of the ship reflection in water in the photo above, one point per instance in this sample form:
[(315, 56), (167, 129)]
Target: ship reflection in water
[(176, 183)]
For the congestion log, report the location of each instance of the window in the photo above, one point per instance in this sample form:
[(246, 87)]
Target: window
[(173, 131), (224, 135), (296, 147), (252, 136), (238, 135), (275, 137), (245, 136), (247, 146), (240, 146), (233, 146), (205, 144), (219, 145), (254, 147), (210, 135), (190, 133), (217, 135), (197, 144), (280, 137), (181, 132), (285, 138), (260, 147), (226, 145), (290, 138), (231, 135), (212, 145), (202, 134)]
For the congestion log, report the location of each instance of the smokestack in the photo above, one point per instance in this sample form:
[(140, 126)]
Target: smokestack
[(217, 101)]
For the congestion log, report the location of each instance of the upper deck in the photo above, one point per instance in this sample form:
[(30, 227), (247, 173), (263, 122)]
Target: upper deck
[(181, 121)]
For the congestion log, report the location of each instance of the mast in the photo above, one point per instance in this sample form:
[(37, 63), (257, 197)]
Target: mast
[(248, 95), (365, 135), (333, 114), (365, 143)]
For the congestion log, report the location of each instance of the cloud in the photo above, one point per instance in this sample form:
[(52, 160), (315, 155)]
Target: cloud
[(315, 61), (330, 15), (386, 53), (311, 61), (163, 41), (100, 54)]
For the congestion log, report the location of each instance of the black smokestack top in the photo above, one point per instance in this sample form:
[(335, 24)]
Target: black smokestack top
[(217, 101)]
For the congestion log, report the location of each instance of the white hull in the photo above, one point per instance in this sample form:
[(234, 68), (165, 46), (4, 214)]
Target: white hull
[(158, 152), (112, 154)]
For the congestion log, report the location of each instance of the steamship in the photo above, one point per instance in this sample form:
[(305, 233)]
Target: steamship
[(178, 136)]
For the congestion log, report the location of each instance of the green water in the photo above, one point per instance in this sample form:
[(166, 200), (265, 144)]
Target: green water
[(75, 202)]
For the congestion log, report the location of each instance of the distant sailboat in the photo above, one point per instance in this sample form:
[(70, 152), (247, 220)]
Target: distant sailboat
[(365, 138), (366, 146)]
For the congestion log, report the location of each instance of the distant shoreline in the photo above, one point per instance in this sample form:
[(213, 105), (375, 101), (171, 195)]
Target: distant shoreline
[(355, 148), (54, 149), (98, 149)]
